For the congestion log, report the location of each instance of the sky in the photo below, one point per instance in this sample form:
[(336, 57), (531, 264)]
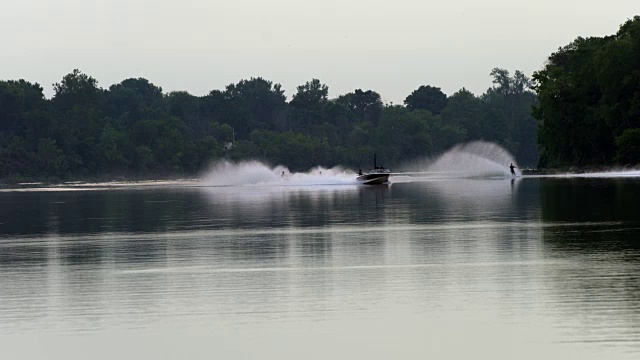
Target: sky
[(391, 47)]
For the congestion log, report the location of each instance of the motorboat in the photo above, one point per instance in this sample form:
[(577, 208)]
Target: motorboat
[(376, 176)]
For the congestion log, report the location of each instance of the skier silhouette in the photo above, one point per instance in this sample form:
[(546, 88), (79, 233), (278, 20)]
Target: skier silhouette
[(513, 172)]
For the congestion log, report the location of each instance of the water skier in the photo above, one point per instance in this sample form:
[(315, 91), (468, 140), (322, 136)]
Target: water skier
[(513, 172)]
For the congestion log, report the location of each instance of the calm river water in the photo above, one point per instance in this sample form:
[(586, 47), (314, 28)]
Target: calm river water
[(539, 268)]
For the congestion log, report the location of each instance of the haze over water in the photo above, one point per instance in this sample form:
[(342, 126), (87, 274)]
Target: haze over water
[(442, 267)]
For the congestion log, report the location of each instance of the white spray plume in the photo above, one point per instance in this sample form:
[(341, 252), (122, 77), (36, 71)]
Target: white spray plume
[(225, 173), (474, 159)]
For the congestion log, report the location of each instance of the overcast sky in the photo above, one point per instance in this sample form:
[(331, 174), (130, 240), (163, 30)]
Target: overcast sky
[(390, 46)]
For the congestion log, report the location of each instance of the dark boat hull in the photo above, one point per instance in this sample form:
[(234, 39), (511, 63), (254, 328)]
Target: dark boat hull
[(373, 179)]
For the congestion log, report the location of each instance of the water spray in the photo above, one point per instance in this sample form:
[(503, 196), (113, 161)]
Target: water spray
[(475, 159), (256, 173)]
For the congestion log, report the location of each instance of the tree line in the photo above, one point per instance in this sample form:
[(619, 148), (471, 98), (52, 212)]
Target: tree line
[(589, 101), (133, 128)]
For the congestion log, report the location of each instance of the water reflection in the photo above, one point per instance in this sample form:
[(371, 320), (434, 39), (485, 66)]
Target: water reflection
[(590, 199), (465, 257), (595, 295), (175, 209)]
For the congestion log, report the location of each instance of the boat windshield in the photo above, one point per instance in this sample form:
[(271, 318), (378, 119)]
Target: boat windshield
[(379, 170)]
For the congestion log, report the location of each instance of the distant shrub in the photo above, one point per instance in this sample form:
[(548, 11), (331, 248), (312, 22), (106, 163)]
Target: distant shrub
[(628, 147)]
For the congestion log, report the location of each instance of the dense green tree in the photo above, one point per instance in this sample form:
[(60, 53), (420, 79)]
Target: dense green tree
[(493, 125), (447, 135), (428, 97), (77, 89), (365, 105), (207, 149), (404, 133), (187, 107), (134, 99), (253, 104), (464, 110), (588, 96), (16, 158), (143, 159), (17, 98), (508, 119), (313, 94), (50, 158), (628, 147), (111, 146), (308, 105)]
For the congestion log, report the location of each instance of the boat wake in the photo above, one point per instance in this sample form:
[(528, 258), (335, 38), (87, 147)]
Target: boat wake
[(256, 173), (603, 174)]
